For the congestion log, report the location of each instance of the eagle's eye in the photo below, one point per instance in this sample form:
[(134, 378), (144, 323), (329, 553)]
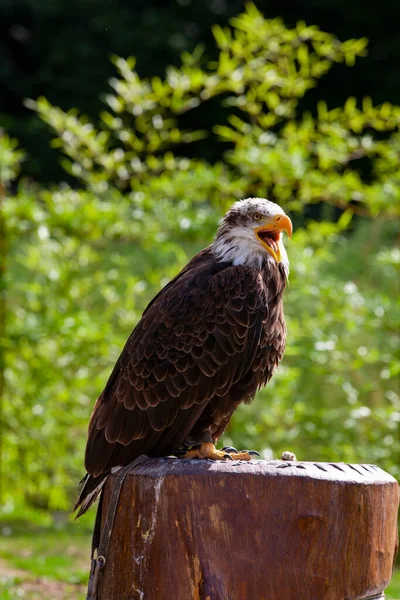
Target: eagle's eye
[(257, 216)]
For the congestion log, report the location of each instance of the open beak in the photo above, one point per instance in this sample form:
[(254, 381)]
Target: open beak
[(269, 234)]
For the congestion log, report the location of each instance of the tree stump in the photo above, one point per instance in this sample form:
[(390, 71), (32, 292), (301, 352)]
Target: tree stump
[(259, 530)]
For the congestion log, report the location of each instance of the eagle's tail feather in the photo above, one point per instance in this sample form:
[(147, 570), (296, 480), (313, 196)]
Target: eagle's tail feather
[(89, 490)]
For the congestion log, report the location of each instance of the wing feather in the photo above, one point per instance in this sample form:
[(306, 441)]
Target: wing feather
[(198, 336)]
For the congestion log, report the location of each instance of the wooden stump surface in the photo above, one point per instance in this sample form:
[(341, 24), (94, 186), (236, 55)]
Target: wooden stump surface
[(259, 530)]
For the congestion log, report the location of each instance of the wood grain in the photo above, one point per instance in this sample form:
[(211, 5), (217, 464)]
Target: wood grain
[(259, 530)]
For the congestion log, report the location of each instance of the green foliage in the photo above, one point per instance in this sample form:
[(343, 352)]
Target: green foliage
[(10, 158), (262, 72), (83, 263), (35, 61)]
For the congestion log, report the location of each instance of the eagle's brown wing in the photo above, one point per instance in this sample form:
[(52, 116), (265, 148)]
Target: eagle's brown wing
[(195, 340)]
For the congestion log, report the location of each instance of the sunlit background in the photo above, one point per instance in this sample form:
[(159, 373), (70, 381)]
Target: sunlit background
[(115, 171)]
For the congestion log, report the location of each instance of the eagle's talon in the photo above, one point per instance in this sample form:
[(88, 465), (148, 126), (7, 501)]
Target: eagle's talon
[(226, 455), (229, 449), (251, 452), (179, 453), (243, 455), (209, 451)]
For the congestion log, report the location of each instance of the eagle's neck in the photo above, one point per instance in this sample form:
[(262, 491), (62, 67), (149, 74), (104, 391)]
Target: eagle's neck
[(240, 247)]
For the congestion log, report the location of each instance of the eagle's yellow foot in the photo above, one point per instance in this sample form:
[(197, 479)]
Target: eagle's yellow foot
[(241, 454), (209, 451), (206, 451)]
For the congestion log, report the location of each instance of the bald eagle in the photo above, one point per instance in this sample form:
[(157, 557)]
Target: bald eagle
[(208, 341)]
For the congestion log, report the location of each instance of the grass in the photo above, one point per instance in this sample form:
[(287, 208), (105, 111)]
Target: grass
[(60, 556), (44, 566), (44, 560), (393, 591)]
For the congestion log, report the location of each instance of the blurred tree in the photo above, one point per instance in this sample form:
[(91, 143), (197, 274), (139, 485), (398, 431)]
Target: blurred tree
[(83, 263), (10, 159), (60, 50)]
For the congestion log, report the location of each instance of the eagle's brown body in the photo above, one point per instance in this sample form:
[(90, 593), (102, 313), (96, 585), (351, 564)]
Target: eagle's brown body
[(207, 342)]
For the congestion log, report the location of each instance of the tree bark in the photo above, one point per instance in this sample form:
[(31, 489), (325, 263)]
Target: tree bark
[(259, 530)]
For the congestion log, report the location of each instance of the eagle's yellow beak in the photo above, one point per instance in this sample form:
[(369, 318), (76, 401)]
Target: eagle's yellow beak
[(269, 234)]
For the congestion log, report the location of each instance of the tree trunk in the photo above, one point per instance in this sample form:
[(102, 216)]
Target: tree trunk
[(259, 530)]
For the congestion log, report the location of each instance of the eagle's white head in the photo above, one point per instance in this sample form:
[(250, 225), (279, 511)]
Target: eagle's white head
[(251, 234)]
